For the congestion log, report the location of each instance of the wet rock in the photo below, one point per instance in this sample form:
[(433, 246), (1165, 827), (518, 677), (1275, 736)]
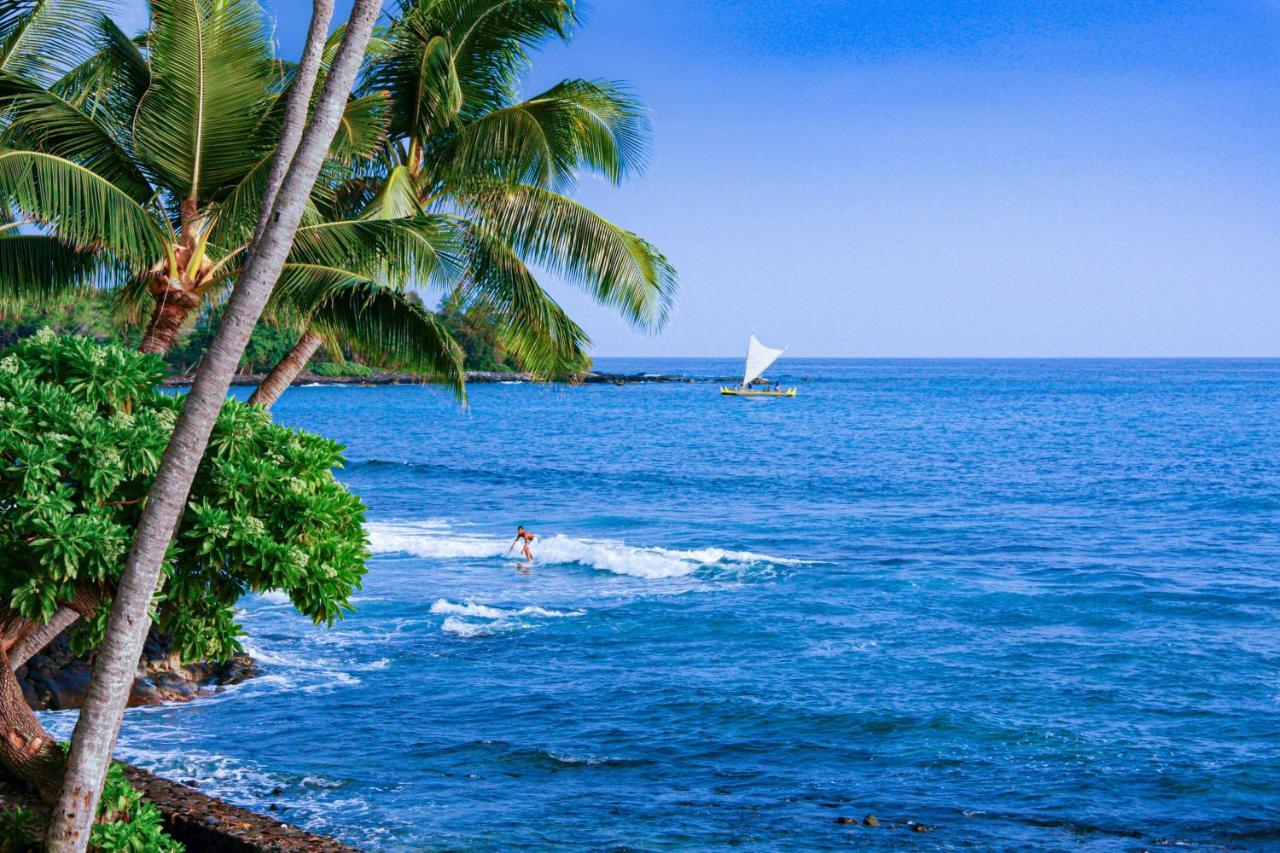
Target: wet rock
[(847, 820), (277, 791), (919, 827), (870, 820), (239, 668), (55, 679)]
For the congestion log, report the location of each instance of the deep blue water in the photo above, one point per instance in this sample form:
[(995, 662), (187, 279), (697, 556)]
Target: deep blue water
[(1031, 604)]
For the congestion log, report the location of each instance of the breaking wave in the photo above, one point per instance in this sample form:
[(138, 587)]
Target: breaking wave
[(435, 540)]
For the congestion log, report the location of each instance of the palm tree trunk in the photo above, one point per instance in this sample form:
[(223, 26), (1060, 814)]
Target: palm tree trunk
[(172, 306), (41, 636), (94, 738), (25, 748), (283, 374)]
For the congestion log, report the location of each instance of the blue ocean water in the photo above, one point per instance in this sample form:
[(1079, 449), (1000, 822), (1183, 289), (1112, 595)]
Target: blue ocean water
[(1029, 604)]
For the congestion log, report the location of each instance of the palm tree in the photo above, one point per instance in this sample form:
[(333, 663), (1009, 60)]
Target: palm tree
[(143, 167), (297, 164), (99, 194), (494, 171)]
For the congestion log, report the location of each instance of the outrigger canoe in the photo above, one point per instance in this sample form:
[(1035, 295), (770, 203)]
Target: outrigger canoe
[(759, 357), (751, 392)]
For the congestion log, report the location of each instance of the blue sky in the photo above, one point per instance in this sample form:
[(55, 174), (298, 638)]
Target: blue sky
[(898, 178)]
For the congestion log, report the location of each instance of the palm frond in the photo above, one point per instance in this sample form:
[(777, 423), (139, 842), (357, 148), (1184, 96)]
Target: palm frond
[(547, 139), (616, 267), (483, 44), (532, 326), (39, 269), (44, 121), (108, 84), (400, 251), (83, 209), (41, 39), (397, 197), (362, 129), (212, 79), (384, 324)]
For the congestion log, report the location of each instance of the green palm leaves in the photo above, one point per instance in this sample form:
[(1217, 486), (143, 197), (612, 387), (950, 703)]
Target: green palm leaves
[(463, 142), (212, 75), (141, 163)]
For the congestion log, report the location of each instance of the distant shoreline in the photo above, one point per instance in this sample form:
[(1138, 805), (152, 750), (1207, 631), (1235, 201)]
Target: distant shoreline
[(473, 377)]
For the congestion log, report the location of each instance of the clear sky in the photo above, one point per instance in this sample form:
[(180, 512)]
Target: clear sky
[(908, 178)]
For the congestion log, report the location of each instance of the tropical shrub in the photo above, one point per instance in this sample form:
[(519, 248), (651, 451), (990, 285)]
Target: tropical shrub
[(125, 823), (82, 431)]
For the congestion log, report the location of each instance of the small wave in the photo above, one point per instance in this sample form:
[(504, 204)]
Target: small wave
[(460, 619), (462, 628), (604, 555), (484, 611)]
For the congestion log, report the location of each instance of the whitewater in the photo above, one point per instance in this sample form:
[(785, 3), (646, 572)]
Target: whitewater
[(1022, 605), (438, 539)]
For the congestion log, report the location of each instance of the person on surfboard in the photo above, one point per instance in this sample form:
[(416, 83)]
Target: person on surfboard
[(528, 537)]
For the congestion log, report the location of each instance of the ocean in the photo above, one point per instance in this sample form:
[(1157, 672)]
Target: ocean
[(1021, 604)]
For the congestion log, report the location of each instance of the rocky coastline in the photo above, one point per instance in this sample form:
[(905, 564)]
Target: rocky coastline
[(475, 377), (55, 679), (203, 824)]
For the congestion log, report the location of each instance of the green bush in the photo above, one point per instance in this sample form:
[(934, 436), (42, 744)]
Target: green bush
[(126, 823), (19, 828), (82, 430), (350, 368)]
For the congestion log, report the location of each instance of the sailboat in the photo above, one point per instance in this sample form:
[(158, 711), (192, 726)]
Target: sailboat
[(759, 357)]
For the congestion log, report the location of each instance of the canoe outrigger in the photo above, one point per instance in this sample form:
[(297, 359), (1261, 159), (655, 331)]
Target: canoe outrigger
[(759, 357)]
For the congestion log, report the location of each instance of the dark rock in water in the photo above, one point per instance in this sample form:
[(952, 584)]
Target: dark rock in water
[(847, 820), (277, 791), (870, 820), (56, 680), (919, 827)]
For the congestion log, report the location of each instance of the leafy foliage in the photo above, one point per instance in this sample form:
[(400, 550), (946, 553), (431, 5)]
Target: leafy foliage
[(82, 430), (19, 830), (126, 824)]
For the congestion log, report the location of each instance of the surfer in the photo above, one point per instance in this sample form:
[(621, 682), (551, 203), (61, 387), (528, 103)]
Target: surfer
[(522, 534)]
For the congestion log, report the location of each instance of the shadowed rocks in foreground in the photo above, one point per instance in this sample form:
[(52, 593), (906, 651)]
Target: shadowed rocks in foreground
[(55, 679)]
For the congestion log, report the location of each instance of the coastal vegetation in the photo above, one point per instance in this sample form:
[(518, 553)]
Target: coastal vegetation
[(82, 431), (173, 188), (440, 175)]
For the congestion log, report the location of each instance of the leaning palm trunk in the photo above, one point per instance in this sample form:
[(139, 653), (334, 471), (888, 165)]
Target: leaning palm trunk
[(26, 750), (283, 374), (94, 738)]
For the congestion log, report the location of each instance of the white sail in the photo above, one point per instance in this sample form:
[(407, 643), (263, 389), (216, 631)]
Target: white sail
[(759, 357)]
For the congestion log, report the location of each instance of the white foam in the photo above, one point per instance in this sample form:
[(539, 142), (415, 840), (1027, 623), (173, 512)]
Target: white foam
[(484, 611), (482, 620), (466, 630), (434, 541)]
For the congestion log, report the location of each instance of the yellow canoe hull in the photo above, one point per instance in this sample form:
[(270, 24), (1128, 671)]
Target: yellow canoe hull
[(747, 392)]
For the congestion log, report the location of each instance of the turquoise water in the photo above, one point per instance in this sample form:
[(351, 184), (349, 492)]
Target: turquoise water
[(1030, 604)]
